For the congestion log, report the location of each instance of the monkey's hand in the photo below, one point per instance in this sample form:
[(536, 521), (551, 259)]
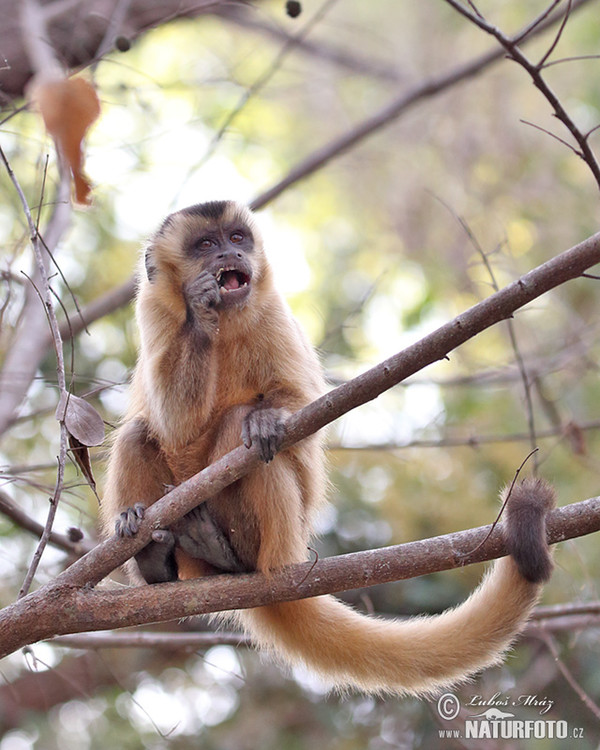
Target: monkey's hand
[(202, 298), (200, 537), (202, 293), (264, 427)]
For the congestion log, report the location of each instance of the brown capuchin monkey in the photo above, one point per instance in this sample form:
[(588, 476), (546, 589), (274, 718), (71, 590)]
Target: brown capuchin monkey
[(222, 362)]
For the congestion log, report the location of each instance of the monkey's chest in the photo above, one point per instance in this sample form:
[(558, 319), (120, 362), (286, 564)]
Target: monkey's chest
[(189, 460)]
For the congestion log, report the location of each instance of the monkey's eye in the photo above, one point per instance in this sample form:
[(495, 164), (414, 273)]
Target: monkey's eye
[(204, 244), (236, 237)]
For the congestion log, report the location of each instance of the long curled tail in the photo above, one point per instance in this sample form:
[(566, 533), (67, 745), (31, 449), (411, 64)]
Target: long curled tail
[(423, 654)]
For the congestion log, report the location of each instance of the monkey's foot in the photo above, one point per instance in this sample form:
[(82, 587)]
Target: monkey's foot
[(201, 538)]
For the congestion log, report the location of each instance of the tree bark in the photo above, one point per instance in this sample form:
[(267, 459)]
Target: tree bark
[(80, 30)]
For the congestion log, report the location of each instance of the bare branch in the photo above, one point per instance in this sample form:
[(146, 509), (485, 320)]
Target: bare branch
[(567, 624), (535, 72), (561, 610), (48, 310), (432, 348), (31, 339), (512, 334), (287, 48), (240, 16), (569, 677), (10, 510), (150, 639), (423, 91), (61, 608), (553, 135), (568, 432), (21, 622), (104, 305), (559, 34)]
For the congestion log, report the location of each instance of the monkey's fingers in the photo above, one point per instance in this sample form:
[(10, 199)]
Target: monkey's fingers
[(128, 522), (203, 291), (266, 429)]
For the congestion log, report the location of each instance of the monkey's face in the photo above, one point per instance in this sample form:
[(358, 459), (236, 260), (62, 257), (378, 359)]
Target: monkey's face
[(219, 239), (224, 251)]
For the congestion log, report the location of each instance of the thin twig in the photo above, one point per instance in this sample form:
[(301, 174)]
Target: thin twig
[(559, 34), (62, 541), (470, 441), (351, 60), (512, 334), (568, 675), (552, 135), (574, 58), (287, 48), (536, 22), (545, 612), (150, 639), (535, 72), (46, 297), (505, 501)]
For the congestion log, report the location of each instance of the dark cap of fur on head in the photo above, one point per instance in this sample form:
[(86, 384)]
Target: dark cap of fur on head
[(211, 210), (525, 529)]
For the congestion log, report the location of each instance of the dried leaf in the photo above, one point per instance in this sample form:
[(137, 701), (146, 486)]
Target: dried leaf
[(82, 420), (69, 106), (82, 459)]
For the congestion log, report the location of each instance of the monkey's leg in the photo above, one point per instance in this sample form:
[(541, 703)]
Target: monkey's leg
[(260, 515), (138, 476)]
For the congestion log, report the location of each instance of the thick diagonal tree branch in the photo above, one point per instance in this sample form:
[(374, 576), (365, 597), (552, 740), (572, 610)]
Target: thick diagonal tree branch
[(26, 352), (436, 346)]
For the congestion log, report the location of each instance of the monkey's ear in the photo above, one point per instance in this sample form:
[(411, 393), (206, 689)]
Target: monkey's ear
[(151, 269)]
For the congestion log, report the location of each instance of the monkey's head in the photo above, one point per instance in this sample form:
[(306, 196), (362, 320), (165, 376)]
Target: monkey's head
[(219, 237)]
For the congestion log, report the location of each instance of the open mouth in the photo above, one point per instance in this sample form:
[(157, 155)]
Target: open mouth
[(231, 280)]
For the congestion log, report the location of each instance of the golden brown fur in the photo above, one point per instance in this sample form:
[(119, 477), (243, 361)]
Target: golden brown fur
[(207, 369)]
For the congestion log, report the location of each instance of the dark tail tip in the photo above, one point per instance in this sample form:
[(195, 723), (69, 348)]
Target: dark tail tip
[(525, 528)]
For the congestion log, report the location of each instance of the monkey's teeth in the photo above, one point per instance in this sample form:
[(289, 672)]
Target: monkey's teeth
[(231, 279)]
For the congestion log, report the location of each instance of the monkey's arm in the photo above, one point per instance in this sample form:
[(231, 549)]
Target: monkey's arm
[(138, 476), (176, 375)]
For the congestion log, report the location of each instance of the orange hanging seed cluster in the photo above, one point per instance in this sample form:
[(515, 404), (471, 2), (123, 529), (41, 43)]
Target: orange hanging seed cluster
[(69, 107)]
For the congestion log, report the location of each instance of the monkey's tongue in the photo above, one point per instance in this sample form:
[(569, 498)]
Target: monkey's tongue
[(230, 280)]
